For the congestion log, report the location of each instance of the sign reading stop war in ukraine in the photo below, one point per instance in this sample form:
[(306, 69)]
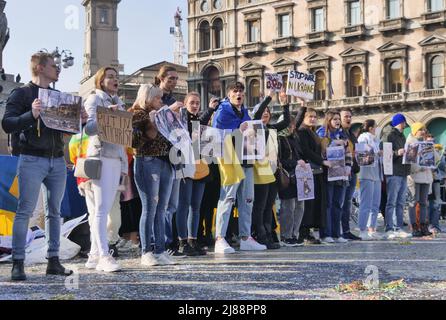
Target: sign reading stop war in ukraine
[(301, 84), (115, 126)]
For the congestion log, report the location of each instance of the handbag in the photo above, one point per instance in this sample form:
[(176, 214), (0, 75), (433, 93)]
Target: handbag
[(87, 168), (201, 170), (282, 175)]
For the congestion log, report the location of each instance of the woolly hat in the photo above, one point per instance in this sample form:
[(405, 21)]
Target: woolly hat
[(416, 127), (397, 119)]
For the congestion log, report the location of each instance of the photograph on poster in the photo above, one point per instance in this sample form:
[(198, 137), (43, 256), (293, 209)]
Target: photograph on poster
[(365, 155), (304, 182), (253, 146)]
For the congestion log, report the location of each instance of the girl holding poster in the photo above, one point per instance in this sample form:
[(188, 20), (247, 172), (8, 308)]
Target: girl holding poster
[(370, 178), (333, 136)]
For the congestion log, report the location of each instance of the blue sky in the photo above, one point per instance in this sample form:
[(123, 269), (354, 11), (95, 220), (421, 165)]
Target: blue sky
[(144, 37)]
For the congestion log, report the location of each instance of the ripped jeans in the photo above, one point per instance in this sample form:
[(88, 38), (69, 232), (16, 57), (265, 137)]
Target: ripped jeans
[(154, 179), (243, 192)]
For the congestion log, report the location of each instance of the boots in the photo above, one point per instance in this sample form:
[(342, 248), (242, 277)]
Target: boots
[(55, 268), (186, 249), (425, 230), (194, 245), (18, 271), (416, 231)]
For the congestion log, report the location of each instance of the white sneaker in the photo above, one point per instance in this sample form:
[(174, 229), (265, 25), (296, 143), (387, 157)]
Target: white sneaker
[(221, 246), (164, 259), (251, 245), (403, 234), (390, 235), (376, 235), (340, 240), (92, 262), (108, 264), (327, 240), (148, 259), (365, 236)]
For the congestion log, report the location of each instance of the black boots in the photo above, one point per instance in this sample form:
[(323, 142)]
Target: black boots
[(425, 229), (55, 268), (416, 231), (186, 249), (18, 271), (194, 244)]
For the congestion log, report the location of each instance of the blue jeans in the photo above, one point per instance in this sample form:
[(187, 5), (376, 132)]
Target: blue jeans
[(347, 206), (244, 193), (335, 200), (396, 187), (369, 201), (435, 206), (172, 209), (191, 193), (32, 171), (154, 178)]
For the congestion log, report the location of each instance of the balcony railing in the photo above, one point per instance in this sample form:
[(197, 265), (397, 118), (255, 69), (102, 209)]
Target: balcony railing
[(284, 43), (437, 17), (316, 37), (353, 31), (397, 24), (252, 48)]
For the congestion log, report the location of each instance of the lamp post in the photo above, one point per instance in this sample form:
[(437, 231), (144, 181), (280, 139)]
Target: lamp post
[(63, 58)]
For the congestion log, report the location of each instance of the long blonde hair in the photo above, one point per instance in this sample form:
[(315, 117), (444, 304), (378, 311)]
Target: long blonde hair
[(146, 93)]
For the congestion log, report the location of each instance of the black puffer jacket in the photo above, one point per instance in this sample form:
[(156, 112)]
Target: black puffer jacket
[(19, 121)]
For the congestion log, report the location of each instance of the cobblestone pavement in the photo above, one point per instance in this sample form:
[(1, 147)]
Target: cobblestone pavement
[(309, 272)]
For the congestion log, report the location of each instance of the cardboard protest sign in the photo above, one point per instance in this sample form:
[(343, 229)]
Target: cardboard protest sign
[(388, 158), (426, 155), (304, 183), (338, 171), (253, 143), (274, 81), (301, 84), (115, 126), (61, 111), (365, 155)]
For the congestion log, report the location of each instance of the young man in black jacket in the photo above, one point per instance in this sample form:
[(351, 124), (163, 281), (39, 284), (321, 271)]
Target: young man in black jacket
[(41, 160)]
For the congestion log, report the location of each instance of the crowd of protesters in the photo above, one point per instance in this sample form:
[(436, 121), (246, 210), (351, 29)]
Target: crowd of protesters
[(167, 213)]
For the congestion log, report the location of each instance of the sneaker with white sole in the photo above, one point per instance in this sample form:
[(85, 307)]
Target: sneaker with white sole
[(403, 234), (376, 236), (365, 236), (327, 240), (221, 246), (92, 262), (164, 259), (340, 240), (390, 235), (108, 264), (149, 260), (251, 245)]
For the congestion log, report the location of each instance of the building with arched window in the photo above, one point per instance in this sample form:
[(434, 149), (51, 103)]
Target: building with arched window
[(376, 57)]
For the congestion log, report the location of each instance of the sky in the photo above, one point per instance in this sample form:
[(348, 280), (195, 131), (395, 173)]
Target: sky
[(144, 37)]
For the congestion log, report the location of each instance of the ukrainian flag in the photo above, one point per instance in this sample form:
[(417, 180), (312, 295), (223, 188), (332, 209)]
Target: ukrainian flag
[(9, 193)]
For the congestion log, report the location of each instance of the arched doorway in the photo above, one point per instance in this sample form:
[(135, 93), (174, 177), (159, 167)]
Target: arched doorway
[(212, 85), (437, 127)]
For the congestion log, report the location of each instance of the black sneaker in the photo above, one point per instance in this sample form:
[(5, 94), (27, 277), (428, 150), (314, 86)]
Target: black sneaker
[(289, 242), (312, 240), (186, 249), (196, 246), (299, 242), (113, 250), (175, 253), (350, 236)]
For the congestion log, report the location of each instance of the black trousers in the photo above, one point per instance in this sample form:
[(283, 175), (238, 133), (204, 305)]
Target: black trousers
[(262, 211)]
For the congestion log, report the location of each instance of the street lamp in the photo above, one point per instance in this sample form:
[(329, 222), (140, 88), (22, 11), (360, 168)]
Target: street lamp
[(63, 58)]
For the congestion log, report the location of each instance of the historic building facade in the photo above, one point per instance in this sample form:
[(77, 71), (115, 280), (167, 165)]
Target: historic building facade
[(377, 57)]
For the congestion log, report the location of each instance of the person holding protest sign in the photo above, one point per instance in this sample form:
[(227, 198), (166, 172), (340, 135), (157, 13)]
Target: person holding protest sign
[(422, 178), (265, 186), (192, 188), (153, 174), (41, 161), (237, 178), (332, 135), (167, 79), (311, 152), (100, 194), (370, 179), (396, 184)]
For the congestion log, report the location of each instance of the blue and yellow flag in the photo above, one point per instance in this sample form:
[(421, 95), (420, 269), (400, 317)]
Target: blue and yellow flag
[(9, 193)]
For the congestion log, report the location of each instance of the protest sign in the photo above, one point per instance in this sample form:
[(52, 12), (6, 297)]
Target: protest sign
[(388, 158), (411, 153), (253, 143), (426, 155), (301, 84), (115, 126), (171, 128), (211, 142), (337, 171), (365, 155), (60, 111), (304, 183), (274, 81)]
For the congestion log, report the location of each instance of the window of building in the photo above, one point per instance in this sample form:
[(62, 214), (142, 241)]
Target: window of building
[(354, 13), (437, 72), (284, 25), (321, 85), (254, 92), (254, 31), (218, 33), (355, 78), (318, 20), (205, 36), (396, 77), (435, 5), (393, 9), (103, 16)]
